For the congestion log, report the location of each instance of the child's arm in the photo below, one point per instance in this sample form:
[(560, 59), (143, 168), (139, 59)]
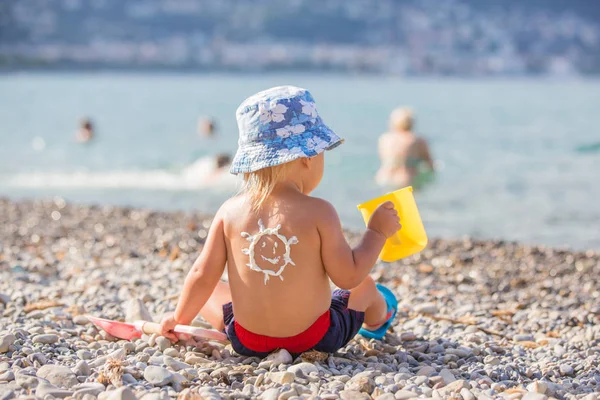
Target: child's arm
[(345, 266), (204, 275)]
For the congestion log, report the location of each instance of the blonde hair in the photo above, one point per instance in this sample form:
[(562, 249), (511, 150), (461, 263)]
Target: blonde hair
[(402, 119), (259, 185)]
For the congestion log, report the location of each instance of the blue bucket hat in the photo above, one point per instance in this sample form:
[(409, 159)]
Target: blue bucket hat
[(277, 126)]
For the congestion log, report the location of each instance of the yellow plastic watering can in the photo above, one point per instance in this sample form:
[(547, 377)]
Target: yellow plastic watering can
[(411, 238)]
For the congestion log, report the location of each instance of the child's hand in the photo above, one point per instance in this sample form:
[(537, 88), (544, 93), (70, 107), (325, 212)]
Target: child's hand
[(385, 220), (166, 327)]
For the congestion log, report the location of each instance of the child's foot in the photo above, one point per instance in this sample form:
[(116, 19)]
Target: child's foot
[(378, 331)]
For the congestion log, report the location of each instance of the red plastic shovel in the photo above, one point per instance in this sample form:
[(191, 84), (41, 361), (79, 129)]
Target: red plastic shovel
[(129, 331)]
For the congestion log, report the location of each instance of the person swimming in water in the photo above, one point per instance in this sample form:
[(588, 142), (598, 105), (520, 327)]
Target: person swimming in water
[(404, 156), (85, 132), (206, 127)]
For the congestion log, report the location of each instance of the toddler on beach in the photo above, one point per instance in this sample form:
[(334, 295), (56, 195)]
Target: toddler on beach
[(282, 247)]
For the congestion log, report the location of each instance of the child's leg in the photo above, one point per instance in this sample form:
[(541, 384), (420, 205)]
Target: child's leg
[(212, 311), (365, 297)]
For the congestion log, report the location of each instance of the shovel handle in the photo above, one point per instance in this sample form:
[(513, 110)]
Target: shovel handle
[(152, 327)]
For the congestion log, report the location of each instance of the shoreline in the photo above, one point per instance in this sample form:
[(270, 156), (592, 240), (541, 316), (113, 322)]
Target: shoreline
[(477, 319)]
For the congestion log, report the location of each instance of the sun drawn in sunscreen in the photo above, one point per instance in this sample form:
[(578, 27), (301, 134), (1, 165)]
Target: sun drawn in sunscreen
[(275, 260)]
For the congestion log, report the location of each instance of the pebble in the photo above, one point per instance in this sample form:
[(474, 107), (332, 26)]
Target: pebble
[(158, 376), (361, 384), (282, 377), (136, 311), (89, 388), (171, 352), (270, 394), (7, 376), (173, 364), (534, 396), (45, 339), (163, 343), (566, 369), (80, 320), (276, 358), (303, 369), (405, 394), (426, 371), (45, 389), (82, 368), (426, 308), (6, 341), (58, 375), (447, 376), (408, 336), (123, 393)]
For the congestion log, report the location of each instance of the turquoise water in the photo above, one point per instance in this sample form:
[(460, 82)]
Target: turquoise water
[(518, 159)]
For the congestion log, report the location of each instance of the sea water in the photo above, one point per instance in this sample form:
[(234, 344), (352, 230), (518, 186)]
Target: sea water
[(517, 159)]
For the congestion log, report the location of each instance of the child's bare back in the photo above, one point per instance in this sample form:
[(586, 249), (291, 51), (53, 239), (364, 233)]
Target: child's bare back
[(269, 286), (282, 247)]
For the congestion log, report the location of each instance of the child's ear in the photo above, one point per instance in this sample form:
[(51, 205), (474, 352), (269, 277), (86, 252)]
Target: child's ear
[(307, 161)]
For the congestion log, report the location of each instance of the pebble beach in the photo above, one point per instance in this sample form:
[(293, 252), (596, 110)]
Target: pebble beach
[(477, 319)]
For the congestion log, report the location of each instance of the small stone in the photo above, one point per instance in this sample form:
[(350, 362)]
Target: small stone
[(405, 394), (4, 298), (7, 394), (80, 320), (303, 368), (173, 364), (353, 395), (491, 360), (466, 394), (171, 352), (559, 350), (6, 341), (534, 396), (58, 375), (385, 396), (361, 384), (282, 377), (7, 376), (45, 339), (426, 371), (90, 388), (26, 381), (129, 379), (287, 394), (408, 336), (537, 387), (122, 393), (163, 343), (454, 387), (82, 368), (84, 354), (270, 394), (523, 338), (566, 370), (426, 308), (277, 358), (447, 376), (194, 359), (136, 311), (158, 376), (44, 389)]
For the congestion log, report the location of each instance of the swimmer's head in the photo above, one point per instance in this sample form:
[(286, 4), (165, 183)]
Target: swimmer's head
[(402, 120), (223, 160), (86, 123), (206, 127)]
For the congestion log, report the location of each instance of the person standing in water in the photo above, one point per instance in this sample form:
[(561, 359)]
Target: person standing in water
[(404, 156), (85, 132)]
